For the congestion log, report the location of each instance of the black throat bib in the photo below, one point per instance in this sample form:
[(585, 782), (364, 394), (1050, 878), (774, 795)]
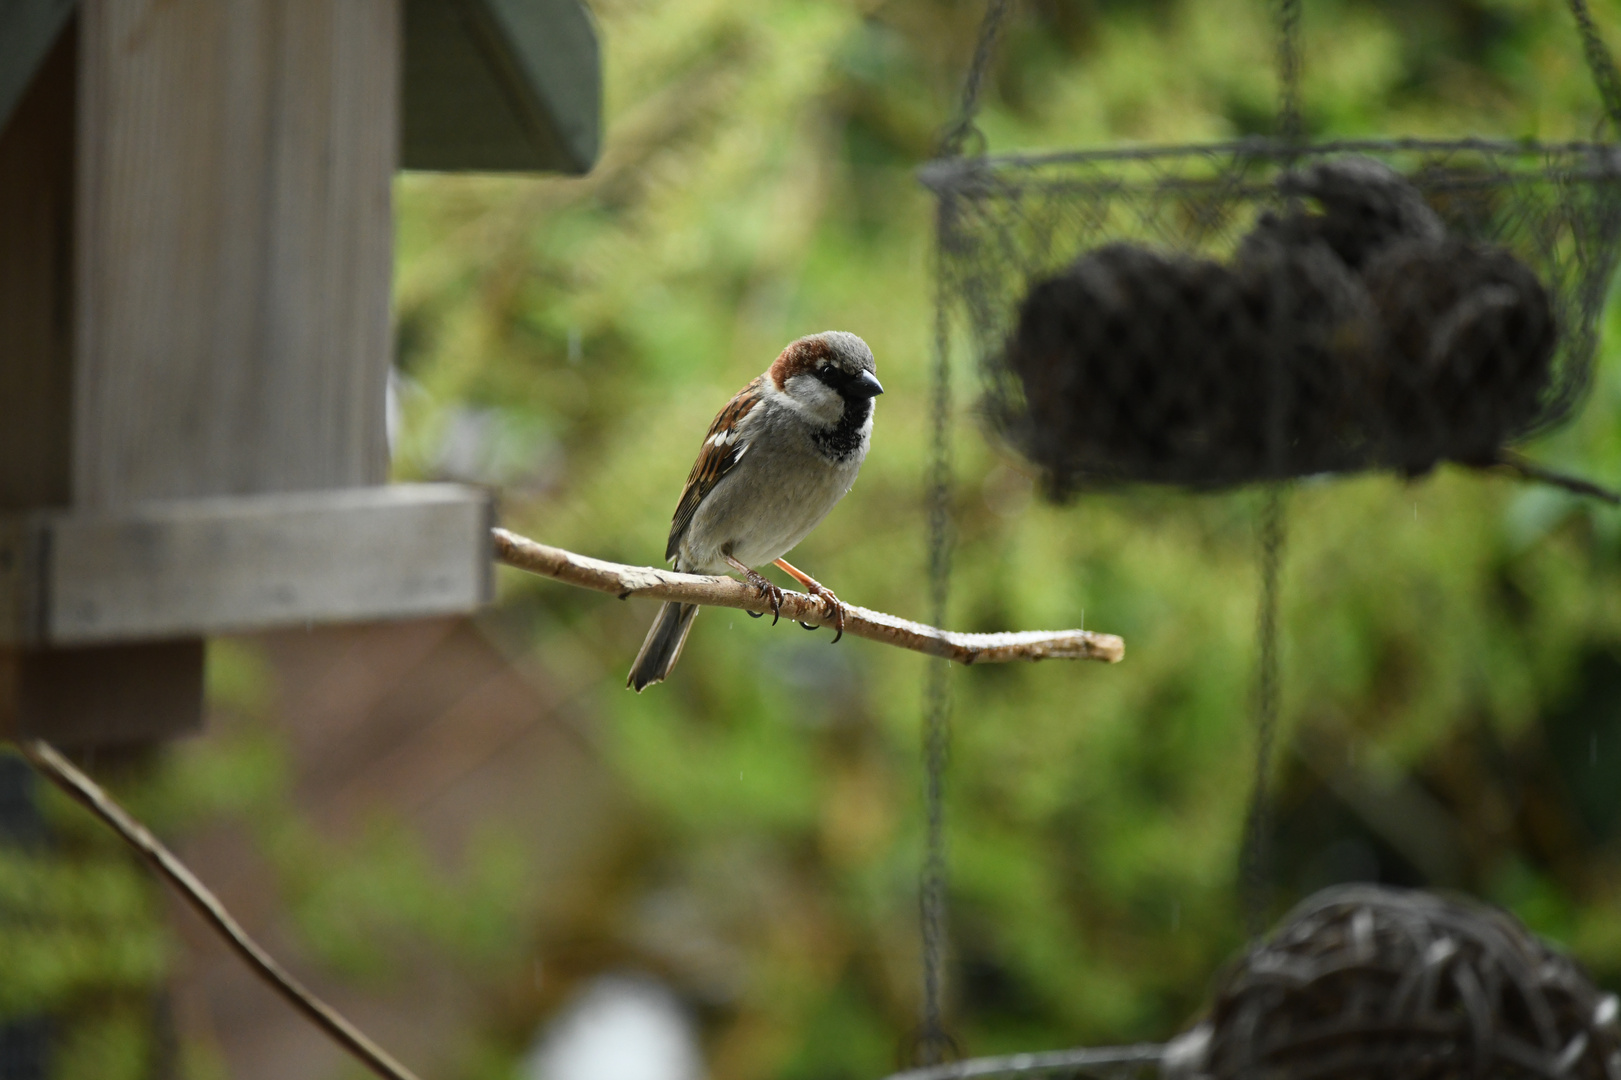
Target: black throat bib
[(844, 438)]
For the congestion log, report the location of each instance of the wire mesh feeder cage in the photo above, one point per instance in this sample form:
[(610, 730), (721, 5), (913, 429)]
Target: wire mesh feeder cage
[(1211, 315), (1364, 982), (1206, 316)]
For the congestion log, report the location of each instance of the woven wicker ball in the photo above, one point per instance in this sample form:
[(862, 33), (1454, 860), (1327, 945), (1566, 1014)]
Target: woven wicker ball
[(1370, 983)]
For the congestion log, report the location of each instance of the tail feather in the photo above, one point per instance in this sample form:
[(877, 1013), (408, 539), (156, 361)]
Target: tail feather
[(663, 645)]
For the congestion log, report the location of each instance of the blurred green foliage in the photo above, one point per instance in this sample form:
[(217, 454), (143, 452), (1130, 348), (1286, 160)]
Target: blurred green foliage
[(759, 185), (1451, 646), (73, 924), (82, 942)]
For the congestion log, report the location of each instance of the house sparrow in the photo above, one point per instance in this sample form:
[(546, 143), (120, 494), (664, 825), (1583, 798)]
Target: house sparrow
[(775, 461)]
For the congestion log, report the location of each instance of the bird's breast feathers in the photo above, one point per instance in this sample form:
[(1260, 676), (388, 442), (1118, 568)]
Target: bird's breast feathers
[(764, 480)]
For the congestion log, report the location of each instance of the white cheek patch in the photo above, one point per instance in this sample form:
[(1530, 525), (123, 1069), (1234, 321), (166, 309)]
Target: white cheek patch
[(815, 397)]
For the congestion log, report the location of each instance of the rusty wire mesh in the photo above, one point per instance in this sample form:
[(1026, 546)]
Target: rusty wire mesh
[(1206, 316)]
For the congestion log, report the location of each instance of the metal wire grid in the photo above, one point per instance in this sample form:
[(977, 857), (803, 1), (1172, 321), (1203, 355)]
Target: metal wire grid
[(1008, 222)]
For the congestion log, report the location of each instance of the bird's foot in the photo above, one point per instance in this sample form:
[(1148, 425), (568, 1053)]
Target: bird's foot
[(831, 604), (767, 591)]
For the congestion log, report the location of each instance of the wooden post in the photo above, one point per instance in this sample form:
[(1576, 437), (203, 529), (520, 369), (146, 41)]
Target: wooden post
[(36, 273), (98, 695), (236, 243), (195, 259), (195, 262)]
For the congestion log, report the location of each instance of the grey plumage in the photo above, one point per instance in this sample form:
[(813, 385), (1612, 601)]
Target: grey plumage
[(775, 461), (662, 646), (782, 488)]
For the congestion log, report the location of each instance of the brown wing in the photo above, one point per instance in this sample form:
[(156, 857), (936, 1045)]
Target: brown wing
[(723, 448)]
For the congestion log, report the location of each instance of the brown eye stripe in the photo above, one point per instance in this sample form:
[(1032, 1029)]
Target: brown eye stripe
[(799, 359)]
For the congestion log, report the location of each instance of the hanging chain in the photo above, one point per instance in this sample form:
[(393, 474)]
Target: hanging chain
[(1599, 62), (1255, 855), (1255, 867), (934, 1044), (1290, 126), (956, 134)]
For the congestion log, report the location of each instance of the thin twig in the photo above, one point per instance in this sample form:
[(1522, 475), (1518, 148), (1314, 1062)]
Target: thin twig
[(62, 772), (623, 581), (1530, 470)]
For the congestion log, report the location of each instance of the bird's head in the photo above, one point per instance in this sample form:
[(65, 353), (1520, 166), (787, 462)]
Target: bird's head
[(826, 372)]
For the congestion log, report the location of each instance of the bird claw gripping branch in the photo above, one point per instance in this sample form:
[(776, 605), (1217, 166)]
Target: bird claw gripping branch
[(767, 591)]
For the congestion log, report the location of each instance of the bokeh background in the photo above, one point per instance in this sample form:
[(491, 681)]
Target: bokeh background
[(474, 839)]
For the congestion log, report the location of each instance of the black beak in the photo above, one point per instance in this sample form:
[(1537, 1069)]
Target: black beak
[(867, 386)]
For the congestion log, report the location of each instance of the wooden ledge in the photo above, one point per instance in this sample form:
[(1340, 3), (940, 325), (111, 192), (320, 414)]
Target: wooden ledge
[(195, 567)]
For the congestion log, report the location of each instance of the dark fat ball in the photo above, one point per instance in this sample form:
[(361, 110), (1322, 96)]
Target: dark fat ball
[(1347, 332), (1364, 207), (1316, 330), (1127, 365), (1135, 363), (1470, 337)]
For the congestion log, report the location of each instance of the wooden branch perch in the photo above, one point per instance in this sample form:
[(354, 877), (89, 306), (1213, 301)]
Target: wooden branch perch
[(624, 581), (85, 791)]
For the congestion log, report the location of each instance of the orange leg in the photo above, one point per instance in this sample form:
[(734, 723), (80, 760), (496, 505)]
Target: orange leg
[(764, 587), (835, 608)]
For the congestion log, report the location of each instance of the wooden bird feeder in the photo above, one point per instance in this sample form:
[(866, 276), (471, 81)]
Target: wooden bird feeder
[(195, 261)]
